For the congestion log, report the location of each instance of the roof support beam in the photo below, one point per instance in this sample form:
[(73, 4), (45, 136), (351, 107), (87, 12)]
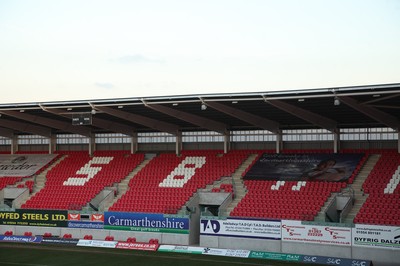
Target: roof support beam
[(27, 128), (372, 112), (191, 118), (97, 122), (50, 123), (306, 115), (139, 119), (252, 119)]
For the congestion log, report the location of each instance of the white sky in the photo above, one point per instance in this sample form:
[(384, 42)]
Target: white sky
[(76, 50)]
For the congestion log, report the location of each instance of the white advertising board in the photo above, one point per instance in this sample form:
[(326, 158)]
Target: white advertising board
[(330, 235), (241, 228), (97, 243), (227, 252), (376, 236)]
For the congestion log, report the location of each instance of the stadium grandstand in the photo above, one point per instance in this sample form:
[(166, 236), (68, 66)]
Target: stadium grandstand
[(312, 172)]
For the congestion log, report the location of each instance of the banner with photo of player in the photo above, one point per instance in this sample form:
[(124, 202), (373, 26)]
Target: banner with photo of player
[(304, 167)]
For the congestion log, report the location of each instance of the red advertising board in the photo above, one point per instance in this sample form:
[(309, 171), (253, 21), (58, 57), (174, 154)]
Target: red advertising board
[(137, 246), (97, 218), (74, 217)]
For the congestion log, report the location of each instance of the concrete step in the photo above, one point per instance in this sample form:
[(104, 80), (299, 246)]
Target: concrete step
[(123, 186), (359, 196), (240, 189)]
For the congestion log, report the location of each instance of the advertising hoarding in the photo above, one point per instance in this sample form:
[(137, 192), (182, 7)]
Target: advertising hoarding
[(23, 164), (249, 228), (146, 222), (376, 236), (295, 231), (28, 217)]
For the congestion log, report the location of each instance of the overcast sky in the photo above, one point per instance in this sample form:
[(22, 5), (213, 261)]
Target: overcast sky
[(77, 50)]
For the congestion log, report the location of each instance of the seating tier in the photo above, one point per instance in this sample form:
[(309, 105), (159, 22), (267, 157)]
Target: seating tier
[(297, 200), (382, 206), (168, 181), (79, 178)]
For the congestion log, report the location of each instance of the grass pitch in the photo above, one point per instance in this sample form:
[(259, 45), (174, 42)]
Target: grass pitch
[(15, 254)]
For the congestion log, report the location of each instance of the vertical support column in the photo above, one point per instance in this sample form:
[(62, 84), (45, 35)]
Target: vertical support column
[(14, 144), (336, 140), (134, 143), (92, 144), (178, 143), (52, 143), (279, 142), (398, 141), (227, 141)]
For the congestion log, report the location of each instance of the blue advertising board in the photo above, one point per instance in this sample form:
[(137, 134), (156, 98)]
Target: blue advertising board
[(334, 261), (22, 239), (89, 225), (146, 222)]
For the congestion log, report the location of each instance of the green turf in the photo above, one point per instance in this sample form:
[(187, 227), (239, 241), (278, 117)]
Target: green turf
[(45, 255)]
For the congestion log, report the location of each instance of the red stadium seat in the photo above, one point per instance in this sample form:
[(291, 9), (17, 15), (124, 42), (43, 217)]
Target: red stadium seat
[(88, 237), (131, 240), (109, 238), (153, 241)]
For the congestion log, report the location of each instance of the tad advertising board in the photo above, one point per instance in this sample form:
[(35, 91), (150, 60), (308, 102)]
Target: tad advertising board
[(241, 228), (146, 222), (376, 236), (330, 235)]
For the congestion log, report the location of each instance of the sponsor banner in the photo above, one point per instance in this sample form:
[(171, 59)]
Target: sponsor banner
[(241, 228), (181, 249), (23, 239), (330, 235), (376, 236), (226, 252), (47, 218), (334, 261), (90, 225), (137, 246), (23, 164), (97, 218), (74, 217), (307, 167), (145, 222), (64, 241), (274, 256), (97, 243)]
